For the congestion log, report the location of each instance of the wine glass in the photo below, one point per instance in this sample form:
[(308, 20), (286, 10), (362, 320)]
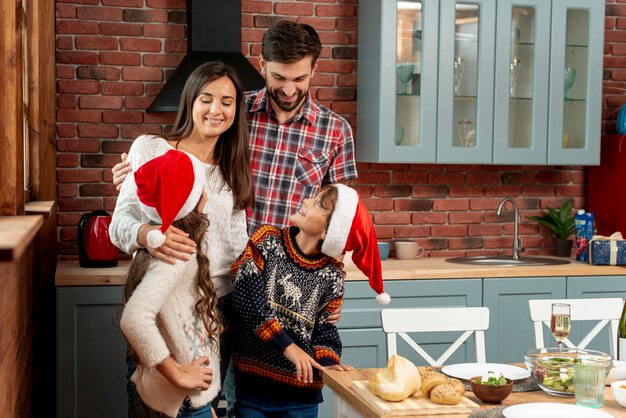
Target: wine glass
[(515, 67), (458, 73), (404, 71), (569, 76), (560, 324)]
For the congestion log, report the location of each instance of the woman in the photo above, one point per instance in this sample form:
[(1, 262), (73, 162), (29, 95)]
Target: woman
[(211, 126)]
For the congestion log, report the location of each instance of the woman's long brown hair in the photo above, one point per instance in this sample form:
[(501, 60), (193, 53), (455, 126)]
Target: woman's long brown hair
[(232, 151), (196, 224)]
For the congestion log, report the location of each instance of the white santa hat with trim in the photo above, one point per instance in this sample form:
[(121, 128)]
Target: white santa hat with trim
[(351, 229), (169, 187)]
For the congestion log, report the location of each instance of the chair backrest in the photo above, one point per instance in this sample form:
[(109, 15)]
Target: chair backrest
[(604, 310), (399, 322)]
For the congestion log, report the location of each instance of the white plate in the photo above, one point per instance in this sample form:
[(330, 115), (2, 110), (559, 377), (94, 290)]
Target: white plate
[(552, 410), (468, 370)]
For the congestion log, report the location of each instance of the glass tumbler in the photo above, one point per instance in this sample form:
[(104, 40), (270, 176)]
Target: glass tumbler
[(589, 380)]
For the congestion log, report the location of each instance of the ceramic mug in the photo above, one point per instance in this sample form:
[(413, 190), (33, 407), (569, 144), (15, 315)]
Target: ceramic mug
[(383, 249), (408, 250)]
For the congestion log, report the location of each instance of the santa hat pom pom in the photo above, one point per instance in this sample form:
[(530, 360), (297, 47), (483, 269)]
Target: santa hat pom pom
[(155, 238), (383, 298)]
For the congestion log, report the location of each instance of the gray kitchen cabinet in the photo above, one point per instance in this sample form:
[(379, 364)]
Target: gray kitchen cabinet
[(480, 82), (91, 353), (510, 330)]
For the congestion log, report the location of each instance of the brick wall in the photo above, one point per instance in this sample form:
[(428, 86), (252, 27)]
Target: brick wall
[(114, 55)]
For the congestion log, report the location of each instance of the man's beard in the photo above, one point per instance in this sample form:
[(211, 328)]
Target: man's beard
[(287, 107)]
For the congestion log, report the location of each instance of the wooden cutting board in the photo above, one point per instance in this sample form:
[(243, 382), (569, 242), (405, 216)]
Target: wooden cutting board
[(417, 404)]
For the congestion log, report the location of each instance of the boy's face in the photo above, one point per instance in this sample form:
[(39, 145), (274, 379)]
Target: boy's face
[(312, 218)]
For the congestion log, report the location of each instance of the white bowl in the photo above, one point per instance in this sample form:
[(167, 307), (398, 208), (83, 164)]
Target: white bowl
[(619, 393), (618, 372)]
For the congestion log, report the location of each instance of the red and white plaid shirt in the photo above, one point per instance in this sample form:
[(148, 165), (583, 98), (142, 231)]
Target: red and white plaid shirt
[(291, 161)]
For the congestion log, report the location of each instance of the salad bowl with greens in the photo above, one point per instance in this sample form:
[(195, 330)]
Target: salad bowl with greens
[(491, 387), (553, 370)]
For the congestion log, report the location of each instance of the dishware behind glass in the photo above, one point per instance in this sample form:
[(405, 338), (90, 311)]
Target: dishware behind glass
[(458, 73), (560, 323), (404, 71), (589, 379), (399, 135), (466, 132), (569, 76), (515, 68)]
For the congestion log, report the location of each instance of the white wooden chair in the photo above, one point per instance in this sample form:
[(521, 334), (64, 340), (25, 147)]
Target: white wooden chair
[(400, 322), (604, 310)]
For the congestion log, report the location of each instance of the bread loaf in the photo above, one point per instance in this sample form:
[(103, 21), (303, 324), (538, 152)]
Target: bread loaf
[(399, 380), (432, 380), (458, 385), (445, 394)]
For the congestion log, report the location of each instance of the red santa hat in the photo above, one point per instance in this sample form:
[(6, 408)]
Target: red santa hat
[(351, 229), (169, 187)]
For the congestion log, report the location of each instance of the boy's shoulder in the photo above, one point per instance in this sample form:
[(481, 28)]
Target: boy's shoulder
[(264, 232)]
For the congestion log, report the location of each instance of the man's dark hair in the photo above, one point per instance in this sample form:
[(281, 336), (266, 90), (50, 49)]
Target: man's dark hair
[(288, 42)]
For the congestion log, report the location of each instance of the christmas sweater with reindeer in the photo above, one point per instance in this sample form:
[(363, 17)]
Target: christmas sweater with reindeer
[(283, 296)]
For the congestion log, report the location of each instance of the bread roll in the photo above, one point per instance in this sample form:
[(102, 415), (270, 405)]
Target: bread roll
[(432, 380), (399, 380), (445, 394), (426, 370), (458, 385)]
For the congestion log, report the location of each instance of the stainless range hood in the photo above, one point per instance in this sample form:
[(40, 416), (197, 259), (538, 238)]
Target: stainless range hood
[(213, 34)]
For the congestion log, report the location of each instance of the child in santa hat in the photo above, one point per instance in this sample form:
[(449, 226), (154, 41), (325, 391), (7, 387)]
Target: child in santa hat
[(170, 318), (287, 282)]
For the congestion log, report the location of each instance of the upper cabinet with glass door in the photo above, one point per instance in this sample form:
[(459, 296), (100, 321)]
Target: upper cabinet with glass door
[(397, 81), (480, 81)]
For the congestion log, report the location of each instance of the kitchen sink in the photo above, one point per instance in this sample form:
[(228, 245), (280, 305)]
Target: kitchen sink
[(507, 260)]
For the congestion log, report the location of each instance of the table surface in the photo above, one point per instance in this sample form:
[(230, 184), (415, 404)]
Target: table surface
[(341, 384)]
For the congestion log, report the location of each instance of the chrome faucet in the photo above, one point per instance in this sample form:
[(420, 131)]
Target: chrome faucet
[(516, 244)]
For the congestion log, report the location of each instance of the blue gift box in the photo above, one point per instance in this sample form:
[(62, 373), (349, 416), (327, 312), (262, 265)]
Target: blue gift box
[(604, 251)]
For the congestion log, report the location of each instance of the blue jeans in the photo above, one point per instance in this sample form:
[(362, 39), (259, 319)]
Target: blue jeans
[(186, 411), (253, 405)]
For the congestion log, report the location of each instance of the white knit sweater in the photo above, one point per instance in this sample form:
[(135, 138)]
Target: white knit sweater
[(159, 319), (227, 236)]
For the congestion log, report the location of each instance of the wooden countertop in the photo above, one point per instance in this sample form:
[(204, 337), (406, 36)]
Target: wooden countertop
[(69, 273), (341, 384), (16, 234)]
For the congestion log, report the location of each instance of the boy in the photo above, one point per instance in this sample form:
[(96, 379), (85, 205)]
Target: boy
[(287, 282)]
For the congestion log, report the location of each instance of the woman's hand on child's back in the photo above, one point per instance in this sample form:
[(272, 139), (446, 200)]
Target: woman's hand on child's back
[(177, 245), (195, 375), (304, 363)]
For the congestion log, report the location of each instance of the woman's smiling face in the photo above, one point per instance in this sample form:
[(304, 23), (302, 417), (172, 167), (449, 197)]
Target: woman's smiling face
[(215, 108)]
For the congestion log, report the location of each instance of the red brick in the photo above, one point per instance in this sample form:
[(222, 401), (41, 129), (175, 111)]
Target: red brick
[(295, 9), (408, 177), (323, 80), (124, 116), (161, 60), (77, 204), (133, 131), (252, 35), (448, 230), (392, 191), (100, 102), (64, 72), (450, 204), (97, 43), (164, 31), (538, 190), (65, 43), (577, 190), (335, 66), (347, 24), (120, 29), (346, 80), (67, 190), (485, 230), (465, 217), (99, 13), (392, 218), (76, 27), (325, 10), (67, 160), (378, 204), (152, 89), (137, 103), (122, 88), (116, 147), (256, 7), (343, 107), (82, 175), (175, 46), (163, 118), (504, 190), (465, 191), (120, 58), (65, 11), (482, 178), (68, 218), (554, 176), (499, 242), (484, 204), (73, 57), (78, 145), (384, 232), (99, 160), (66, 131), (89, 72), (140, 44), (429, 191), (109, 204), (320, 24), (445, 178), (413, 205), (98, 131), (67, 115), (167, 4), (149, 16), (411, 231), (142, 74), (465, 243), (334, 38), (428, 218), (65, 101), (78, 87), (123, 3), (364, 191)]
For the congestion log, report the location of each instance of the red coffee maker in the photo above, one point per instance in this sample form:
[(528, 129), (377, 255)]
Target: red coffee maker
[(95, 248)]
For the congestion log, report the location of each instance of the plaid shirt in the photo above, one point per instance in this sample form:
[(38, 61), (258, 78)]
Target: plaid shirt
[(291, 161)]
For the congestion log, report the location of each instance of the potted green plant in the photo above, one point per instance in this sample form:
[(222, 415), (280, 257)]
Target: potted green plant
[(561, 223)]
